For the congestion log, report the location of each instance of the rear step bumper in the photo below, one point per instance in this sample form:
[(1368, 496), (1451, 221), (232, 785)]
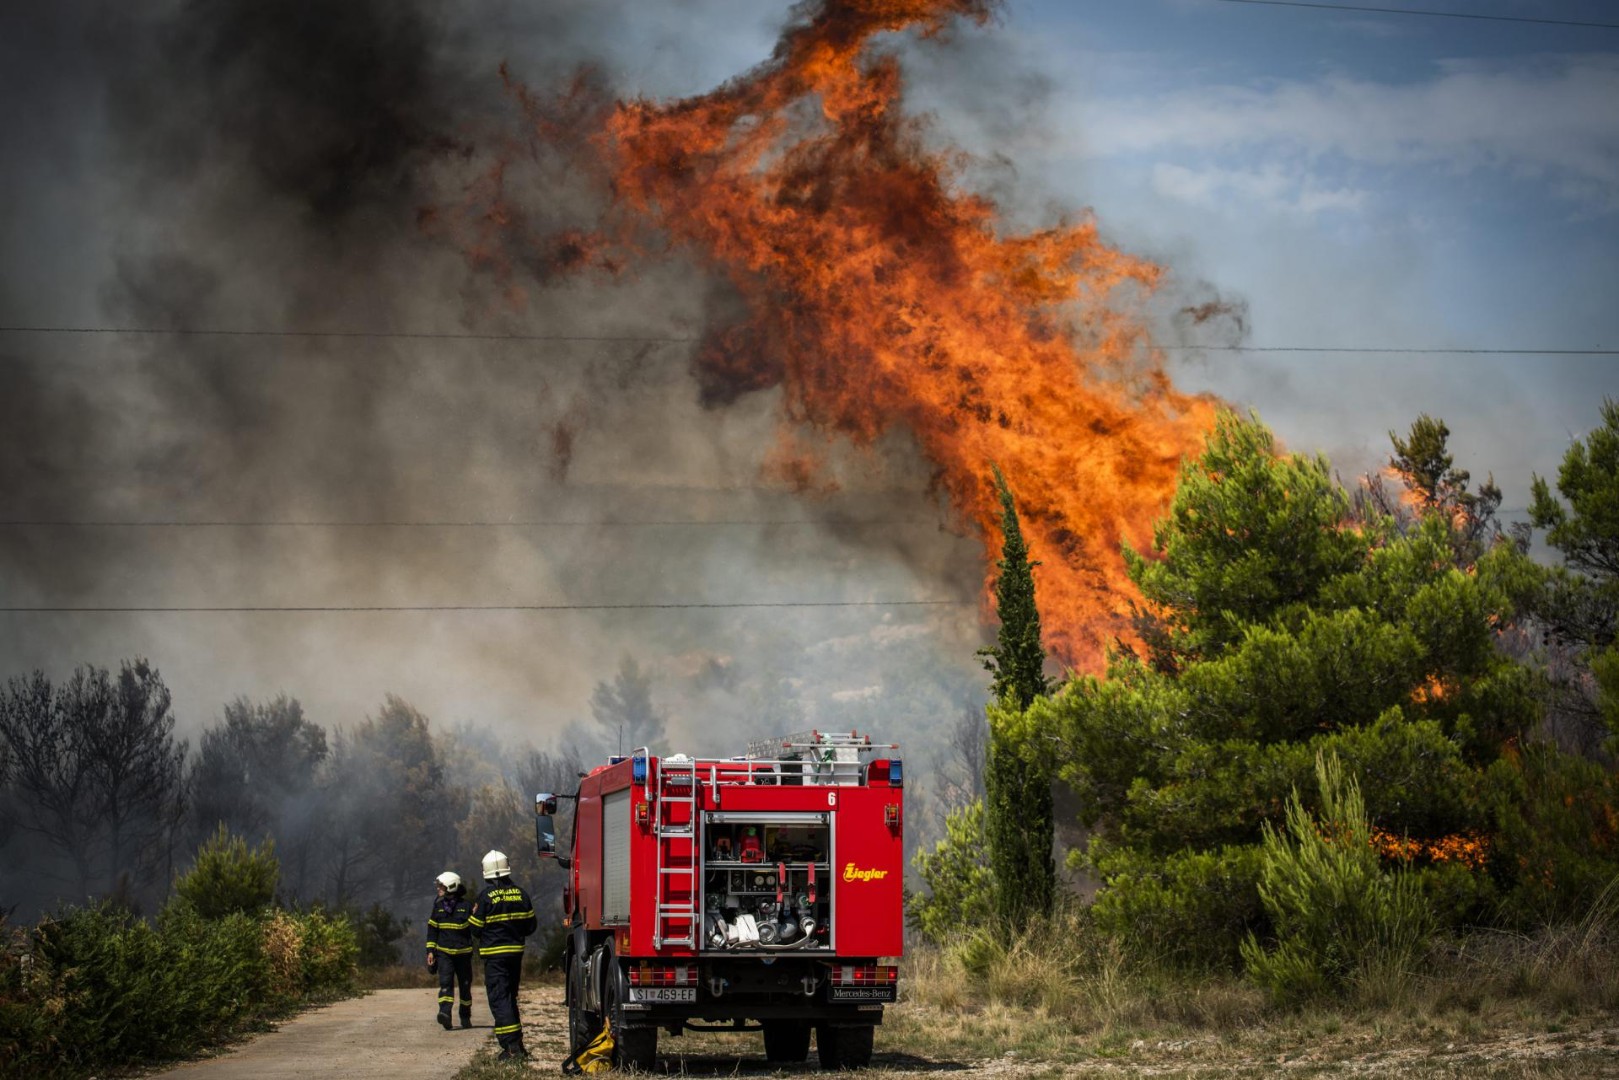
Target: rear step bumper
[(718, 1012)]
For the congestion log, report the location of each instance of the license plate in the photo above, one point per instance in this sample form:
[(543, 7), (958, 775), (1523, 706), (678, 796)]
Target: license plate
[(663, 993), (863, 993)]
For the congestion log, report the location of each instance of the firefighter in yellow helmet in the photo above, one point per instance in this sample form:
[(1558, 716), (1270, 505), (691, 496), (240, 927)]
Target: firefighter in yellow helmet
[(502, 917), (449, 946)]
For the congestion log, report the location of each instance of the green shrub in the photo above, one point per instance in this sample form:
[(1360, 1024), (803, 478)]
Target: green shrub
[(1192, 907), (32, 1001), (330, 952), (961, 886), (228, 877), (1557, 834), (98, 987), (1338, 915)]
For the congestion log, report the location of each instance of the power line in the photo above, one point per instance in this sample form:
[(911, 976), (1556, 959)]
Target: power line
[(70, 523), (384, 335), (1354, 350), (451, 335), (1427, 13), (1381, 349), (363, 608)]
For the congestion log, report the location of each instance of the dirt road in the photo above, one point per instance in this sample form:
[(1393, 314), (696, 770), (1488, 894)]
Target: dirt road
[(387, 1035)]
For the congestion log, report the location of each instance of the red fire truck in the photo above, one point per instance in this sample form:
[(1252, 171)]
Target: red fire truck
[(756, 893)]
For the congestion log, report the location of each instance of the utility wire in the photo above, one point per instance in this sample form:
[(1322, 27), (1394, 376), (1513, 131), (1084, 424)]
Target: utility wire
[(386, 335), (455, 335), (330, 608), (70, 523), (1378, 349), (1427, 13)]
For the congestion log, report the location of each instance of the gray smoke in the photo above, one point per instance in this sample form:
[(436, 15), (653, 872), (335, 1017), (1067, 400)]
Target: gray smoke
[(270, 165)]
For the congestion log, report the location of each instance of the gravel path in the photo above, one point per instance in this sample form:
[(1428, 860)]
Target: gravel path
[(388, 1034)]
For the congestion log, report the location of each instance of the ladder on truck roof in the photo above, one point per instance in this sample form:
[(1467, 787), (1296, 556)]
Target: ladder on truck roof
[(677, 852)]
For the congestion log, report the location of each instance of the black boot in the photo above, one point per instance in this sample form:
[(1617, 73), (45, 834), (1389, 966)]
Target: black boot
[(518, 1050), (444, 1020), (466, 1017)]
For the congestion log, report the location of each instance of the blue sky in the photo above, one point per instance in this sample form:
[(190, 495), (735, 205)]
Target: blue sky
[(1358, 180)]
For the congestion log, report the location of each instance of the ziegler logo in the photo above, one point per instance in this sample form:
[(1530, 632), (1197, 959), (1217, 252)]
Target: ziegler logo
[(854, 873)]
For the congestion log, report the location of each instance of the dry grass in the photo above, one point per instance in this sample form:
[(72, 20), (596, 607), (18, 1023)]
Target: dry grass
[(1062, 998), (1064, 1002), (981, 1037)]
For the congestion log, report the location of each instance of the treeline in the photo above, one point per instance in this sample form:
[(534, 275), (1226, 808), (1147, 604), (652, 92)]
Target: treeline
[(101, 800), (1349, 726)]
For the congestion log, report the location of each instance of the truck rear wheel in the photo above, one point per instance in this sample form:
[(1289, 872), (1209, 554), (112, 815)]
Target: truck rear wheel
[(786, 1041), (844, 1047), (637, 1048), (634, 1048)]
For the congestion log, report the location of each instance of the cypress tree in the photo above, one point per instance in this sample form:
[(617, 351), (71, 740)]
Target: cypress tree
[(1017, 776)]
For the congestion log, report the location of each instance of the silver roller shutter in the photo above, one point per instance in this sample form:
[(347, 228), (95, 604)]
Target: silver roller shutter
[(616, 858)]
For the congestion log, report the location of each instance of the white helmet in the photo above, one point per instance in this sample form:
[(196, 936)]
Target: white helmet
[(450, 880), (496, 865)]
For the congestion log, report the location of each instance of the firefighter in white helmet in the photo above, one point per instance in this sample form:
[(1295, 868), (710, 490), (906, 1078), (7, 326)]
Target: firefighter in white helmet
[(449, 946), (502, 917)]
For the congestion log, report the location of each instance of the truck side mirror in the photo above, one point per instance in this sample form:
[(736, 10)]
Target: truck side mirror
[(545, 829)]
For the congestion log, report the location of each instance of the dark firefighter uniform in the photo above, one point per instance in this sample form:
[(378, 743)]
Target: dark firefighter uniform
[(449, 938), (502, 917)]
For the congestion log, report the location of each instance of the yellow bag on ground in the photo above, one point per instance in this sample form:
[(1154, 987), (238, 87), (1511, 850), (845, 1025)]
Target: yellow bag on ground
[(597, 1056)]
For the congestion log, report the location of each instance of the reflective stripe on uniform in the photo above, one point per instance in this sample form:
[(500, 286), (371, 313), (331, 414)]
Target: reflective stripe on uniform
[(454, 952), (442, 1000), (449, 925), (509, 916), (508, 1029), (495, 950)]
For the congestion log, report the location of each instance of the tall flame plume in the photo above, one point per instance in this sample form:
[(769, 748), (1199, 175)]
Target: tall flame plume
[(877, 294)]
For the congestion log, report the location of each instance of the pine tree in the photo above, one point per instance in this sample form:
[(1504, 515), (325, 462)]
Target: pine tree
[(1017, 778), (1293, 630), (1580, 601)]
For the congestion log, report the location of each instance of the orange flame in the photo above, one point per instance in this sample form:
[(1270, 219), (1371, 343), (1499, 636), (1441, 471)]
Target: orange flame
[(1470, 849), (1432, 689), (878, 294)]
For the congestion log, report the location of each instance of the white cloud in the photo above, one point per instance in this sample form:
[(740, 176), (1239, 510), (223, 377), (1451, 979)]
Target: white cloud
[(1552, 118)]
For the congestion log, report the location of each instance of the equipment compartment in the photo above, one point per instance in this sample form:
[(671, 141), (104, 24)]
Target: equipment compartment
[(767, 885)]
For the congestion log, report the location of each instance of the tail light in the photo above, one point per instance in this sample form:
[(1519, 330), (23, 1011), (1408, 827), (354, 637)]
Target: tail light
[(864, 975), (663, 975)]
